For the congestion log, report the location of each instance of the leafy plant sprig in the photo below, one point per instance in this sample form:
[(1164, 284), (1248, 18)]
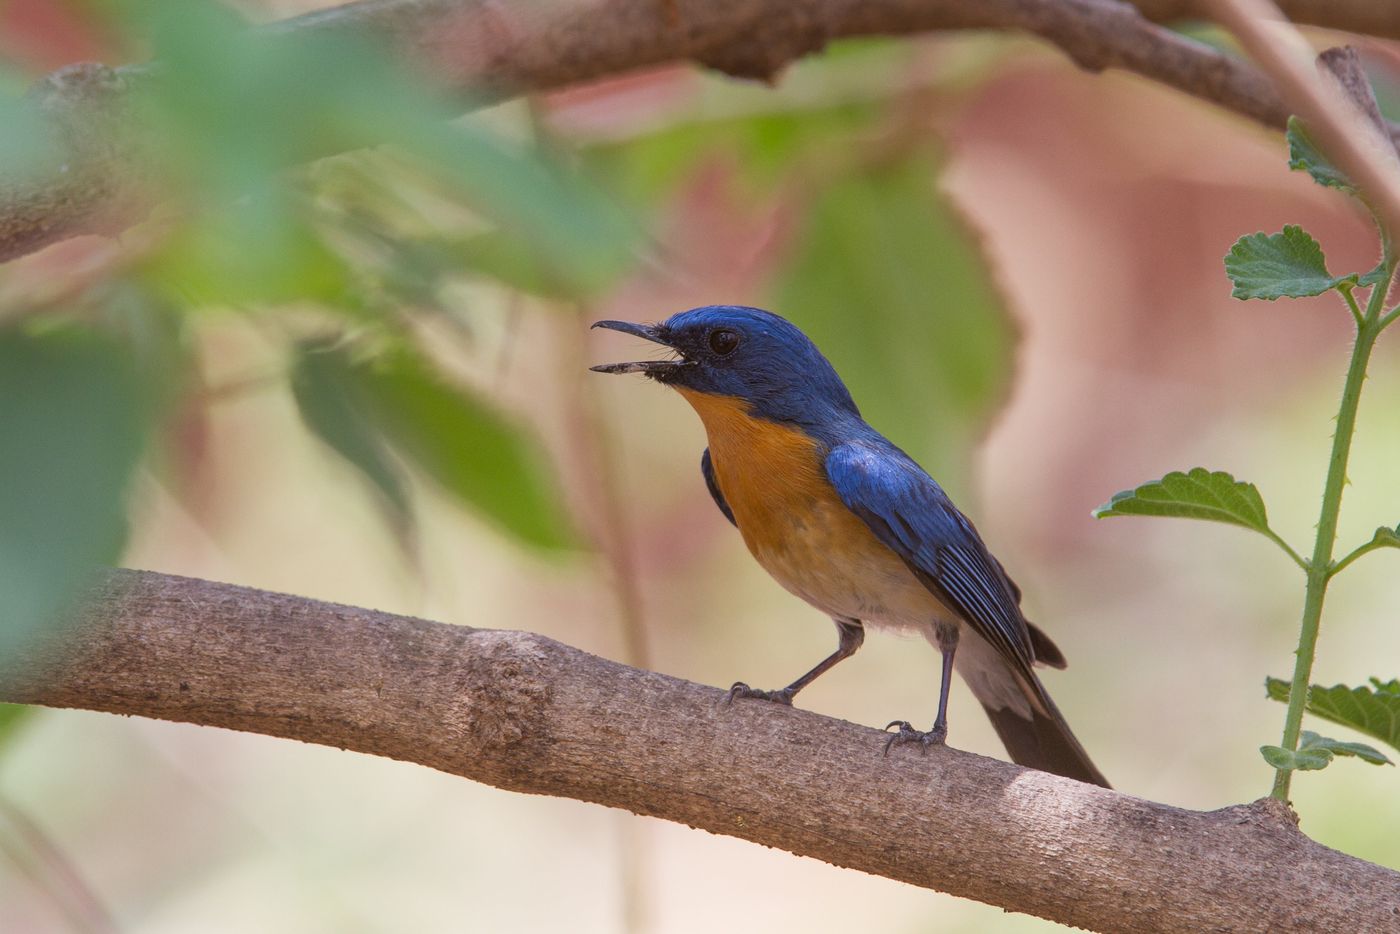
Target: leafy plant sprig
[(1290, 264)]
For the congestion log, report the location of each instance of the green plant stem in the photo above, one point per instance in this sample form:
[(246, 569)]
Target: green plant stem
[(1288, 549), (1358, 552), (1319, 570), (1351, 304)]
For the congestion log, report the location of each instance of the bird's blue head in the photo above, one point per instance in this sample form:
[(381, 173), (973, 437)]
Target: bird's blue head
[(742, 353)]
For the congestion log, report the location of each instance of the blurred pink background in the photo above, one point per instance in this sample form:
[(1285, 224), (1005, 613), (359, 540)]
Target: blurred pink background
[(1104, 204)]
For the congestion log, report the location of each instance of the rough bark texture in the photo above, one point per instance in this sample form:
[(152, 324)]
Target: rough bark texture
[(491, 50), (523, 712)]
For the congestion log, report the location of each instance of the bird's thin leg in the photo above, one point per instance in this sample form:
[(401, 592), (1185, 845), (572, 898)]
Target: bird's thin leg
[(851, 634), (947, 636)]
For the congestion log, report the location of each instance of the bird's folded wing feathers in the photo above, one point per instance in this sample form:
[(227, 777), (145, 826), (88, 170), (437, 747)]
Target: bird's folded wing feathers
[(911, 515), (707, 468)]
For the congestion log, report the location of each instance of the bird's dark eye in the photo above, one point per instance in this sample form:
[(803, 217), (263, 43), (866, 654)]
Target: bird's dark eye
[(723, 341)]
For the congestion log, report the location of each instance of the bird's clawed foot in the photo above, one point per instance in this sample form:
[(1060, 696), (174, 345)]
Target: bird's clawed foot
[(740, 689), (907, 734)]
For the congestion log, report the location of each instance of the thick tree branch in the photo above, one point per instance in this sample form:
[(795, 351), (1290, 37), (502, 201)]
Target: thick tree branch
[(491, 50), (525, 713)]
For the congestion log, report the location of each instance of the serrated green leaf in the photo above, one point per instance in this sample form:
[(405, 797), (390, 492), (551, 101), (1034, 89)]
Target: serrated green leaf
[(1289, 264), (1313, 741), (1303, 155), (467, 447), (326, 389), (1374, 710), (1196, 494), (73, 422)]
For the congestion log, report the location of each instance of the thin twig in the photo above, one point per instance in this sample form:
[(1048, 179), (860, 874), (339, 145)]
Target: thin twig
[(1341, 114), (43, 860)]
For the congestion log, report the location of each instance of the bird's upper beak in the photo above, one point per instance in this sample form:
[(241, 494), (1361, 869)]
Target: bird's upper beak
[(653, 368)]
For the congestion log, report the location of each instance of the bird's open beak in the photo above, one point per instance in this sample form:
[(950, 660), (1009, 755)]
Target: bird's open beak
[(653, 368)]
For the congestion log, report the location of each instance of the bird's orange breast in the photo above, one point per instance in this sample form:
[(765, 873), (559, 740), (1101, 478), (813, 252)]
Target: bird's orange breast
[(770, 474), (773, 477)]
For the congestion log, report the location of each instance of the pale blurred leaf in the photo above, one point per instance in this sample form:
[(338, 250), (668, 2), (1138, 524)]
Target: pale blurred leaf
[(463, 444), (511, 261), (326, 387), (73, 416), (892, 285)]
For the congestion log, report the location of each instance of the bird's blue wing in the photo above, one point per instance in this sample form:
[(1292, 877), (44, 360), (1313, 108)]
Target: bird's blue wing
[(708, 469), (912, 515)]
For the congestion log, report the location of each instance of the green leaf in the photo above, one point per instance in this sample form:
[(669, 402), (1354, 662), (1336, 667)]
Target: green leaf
[(1304, 155), (73, 419), (1197, 494), (1282, 265), (326, 387), (1312, 741), (1317, 752), (892, 283), (1303, 760), (1374, 710), (464, 445)]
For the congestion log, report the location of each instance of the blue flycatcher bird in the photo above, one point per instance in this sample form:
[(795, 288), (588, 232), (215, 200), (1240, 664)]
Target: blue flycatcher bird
[(848, 522)]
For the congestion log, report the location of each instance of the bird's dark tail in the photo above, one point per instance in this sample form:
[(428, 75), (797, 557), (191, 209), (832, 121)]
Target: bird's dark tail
[(1030, 725), (1044, 742)]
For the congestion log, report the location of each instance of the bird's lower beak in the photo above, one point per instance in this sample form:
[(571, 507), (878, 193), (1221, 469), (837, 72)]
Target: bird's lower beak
[(651, 332)]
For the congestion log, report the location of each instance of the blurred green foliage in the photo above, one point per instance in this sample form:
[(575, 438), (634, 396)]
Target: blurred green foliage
[(232, 115), (340, 259), (74, 418), (890, 282), (364, 406)]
